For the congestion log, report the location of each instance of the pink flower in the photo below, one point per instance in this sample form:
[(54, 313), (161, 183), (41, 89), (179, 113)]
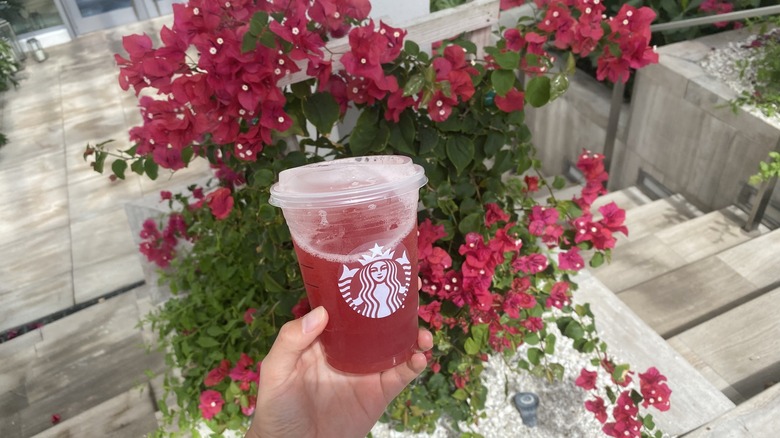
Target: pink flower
[(532, 184), (509, 4), (530, 264), (614, 217), (512, 101), (587, 379), (165, 195), (210, 403), (217, 375), (249, 315), (570, 260), (55, 418), (654, 391), (243, 371), (598, 408), (558, 297), (533, 324), (494, 214), (431, 313), (220, 202), (249, 409)]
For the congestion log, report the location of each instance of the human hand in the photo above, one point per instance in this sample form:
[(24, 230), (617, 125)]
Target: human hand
[(300, 395)]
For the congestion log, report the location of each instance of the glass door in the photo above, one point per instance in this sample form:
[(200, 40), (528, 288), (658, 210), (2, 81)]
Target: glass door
[(91, 15)]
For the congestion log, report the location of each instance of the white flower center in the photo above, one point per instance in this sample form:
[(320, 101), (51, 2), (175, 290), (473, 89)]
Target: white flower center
[(336, 15), (245, 87), (196, 11), (220, 41), (213, 50), (280, 119), (295, 31), (396, 34), (629, 13), (363, 60), (239, 146)]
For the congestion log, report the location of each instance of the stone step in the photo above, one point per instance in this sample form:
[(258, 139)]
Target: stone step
[(695, 401), (653, 255), (755, 418), (686, 297), (73, 365), (731, 346), (129, 414)]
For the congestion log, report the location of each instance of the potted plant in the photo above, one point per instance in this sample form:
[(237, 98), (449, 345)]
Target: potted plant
[(496, 266)]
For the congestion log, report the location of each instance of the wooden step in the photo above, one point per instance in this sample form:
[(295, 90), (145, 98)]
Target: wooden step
[(651, 256), (695, 401), (75, 364), (657, 215), (686, 297), (741, 346), (626, 199), (129, 414), (753, 419)]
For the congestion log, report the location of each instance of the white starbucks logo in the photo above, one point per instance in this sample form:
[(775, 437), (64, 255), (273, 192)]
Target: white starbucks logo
[(376, 286)]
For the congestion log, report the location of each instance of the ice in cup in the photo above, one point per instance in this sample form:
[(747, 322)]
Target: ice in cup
[(354, 226)]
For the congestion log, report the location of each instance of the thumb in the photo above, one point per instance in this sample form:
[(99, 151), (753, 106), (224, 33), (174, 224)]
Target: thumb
[(294, 338)]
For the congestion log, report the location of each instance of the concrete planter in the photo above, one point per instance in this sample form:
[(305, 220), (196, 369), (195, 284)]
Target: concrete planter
[(683, 132)]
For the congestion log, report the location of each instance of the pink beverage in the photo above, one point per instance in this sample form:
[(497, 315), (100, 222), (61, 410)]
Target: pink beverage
[(354, 226)]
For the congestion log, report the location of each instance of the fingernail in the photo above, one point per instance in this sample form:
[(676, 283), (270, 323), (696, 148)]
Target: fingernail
[(312, 319)]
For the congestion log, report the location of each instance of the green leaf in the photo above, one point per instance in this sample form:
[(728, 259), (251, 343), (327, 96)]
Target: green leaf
[(150, 167), (263, 178), (558, 86), (215, 330), (460, 151), (403, 133), (100, 160), (368, 134), (138, 166), (574, 331), (411, 47), (322, 111), (471, 346), (460, 394), (207, 342), (266, 213), (559, 182), (471, 222), (531, 338), (537, 92), (187, 154), (494, 142), (648, 422), (302, 89), (507, 60), (597, 260), (429, 139), (414, 85), (119, 167), (549, 344), (258, 23), (503, 81), (248, 43), (535, 356), (619, 375)]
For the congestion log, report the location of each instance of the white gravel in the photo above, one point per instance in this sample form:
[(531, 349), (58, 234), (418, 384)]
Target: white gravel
[(561, 411), (723, 64)]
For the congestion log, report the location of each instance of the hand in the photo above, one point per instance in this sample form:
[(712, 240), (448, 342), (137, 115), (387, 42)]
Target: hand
[(300, 395)]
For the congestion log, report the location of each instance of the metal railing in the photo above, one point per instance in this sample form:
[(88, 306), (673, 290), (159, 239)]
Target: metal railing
[(765, 193)]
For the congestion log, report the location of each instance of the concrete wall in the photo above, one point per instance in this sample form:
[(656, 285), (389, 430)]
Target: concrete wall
[(576, 120), (683, 133)]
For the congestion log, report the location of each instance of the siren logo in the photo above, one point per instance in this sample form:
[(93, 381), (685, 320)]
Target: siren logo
[(376, 286)]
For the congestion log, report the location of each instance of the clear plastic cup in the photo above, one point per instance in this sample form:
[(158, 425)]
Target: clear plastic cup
[(354, 225)]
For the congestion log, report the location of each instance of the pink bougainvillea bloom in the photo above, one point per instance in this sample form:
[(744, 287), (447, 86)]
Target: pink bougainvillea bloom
[(530, 264), (431, 313), (55, 418), (533, 324), (512, 101), (249, 409), (654, 389), (494, 214), (558, 297), (165, 195), (210, 403), (249, 315), (570, 260), (598, 408), (531, 184), (587, 379), (218, 374), (220, 202), (509, 4)]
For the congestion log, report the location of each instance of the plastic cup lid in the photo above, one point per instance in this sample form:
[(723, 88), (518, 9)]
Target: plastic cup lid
[(346, 181)]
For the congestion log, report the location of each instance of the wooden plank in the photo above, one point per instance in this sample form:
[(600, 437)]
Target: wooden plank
[(626, 199), (695, 401), (657, 215), (742, 345), (424, 31), (755, 418), (672, 248), (681, 299), (130, 414)]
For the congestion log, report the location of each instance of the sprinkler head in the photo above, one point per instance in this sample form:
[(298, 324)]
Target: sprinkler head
[(526, 403)]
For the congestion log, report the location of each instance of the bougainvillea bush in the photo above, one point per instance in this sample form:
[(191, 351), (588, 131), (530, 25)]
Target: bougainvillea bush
[(496, 265)]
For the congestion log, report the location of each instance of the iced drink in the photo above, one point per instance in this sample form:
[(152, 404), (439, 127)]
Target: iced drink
[(354, 226)]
